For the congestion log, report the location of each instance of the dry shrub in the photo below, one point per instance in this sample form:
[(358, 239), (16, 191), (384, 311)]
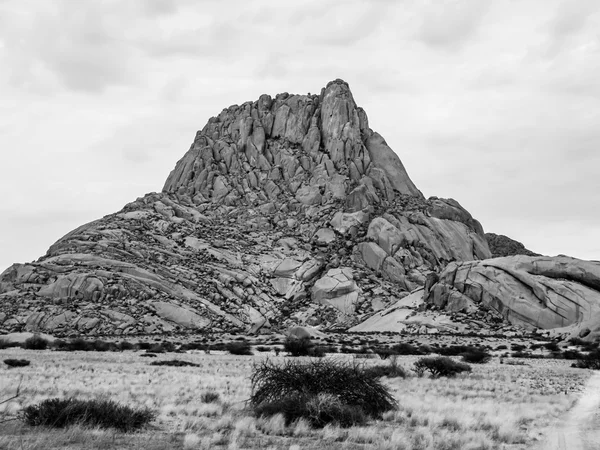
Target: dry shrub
[(590, 361), (36, 342), (60, 413), (476, 356), (298, 346), (5, 343), (173, 363), (16, 362), (239, 348), (321, 391), (79, 344), (392, 370), (440, 366)]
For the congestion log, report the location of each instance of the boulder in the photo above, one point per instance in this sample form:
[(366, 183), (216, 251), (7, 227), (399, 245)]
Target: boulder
[(287, 268), (337, 288), (529, 291), (20, 338), (309, 195), (304, 332), (185, 317), (372, 254), (343, 222), (324, 236)]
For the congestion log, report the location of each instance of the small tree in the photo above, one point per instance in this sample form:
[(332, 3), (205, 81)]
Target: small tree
[(440, 366)]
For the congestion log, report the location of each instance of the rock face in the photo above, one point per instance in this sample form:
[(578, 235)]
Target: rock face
[(501, 245), (533, 292), (286, 211)]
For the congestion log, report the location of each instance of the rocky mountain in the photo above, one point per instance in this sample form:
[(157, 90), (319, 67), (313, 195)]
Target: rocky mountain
[(501, 245), (284, 211)]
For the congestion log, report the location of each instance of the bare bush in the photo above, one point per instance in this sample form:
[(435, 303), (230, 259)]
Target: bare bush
[(299, 389)]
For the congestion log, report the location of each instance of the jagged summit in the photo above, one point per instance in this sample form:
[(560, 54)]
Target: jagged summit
[(313, 147)]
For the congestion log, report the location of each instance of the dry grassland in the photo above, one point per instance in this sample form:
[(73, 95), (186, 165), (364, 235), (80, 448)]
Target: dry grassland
[(497, 406)]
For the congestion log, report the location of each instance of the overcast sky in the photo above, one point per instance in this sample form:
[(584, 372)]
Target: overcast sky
[(493, 103)]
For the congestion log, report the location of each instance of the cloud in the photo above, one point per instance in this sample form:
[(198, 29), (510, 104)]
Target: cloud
[(451, 23), (568, 22), (571, 17), (335, 26), (159, 7), (76, 46)]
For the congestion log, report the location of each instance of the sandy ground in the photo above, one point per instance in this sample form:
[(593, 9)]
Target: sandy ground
[(579, 429)]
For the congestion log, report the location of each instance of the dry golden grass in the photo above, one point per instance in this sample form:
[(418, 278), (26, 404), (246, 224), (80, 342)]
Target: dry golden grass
[(496, 406)]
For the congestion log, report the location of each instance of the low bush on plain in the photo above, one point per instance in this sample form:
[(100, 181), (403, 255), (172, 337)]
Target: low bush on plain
[(304, 347), (79, 344), (384, 352), (588, 346), (125, 345), (174, 363), (476, 356), (571, 354), (5, 343), (161, 347), (298, 346), (529, 355), (103, 346), (322, 391), (552, 346), (347, 350), (590, 361), (239, 348), (405, 348), (457, 350), (194, 346), (143, 345), (58, 344), (440, 366), (36, 342), (392, 370), (16, 362), (60, 413)]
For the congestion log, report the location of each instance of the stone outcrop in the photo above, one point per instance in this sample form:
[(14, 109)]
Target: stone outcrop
[(501, 245), (532, 292), (285, 211)]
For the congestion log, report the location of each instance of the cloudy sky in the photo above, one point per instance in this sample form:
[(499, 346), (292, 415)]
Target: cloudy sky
[(493, 103)]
